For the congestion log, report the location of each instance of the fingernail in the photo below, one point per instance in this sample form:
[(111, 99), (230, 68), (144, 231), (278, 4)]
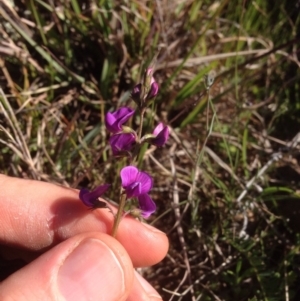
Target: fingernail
[(91, 272), (150, 291)]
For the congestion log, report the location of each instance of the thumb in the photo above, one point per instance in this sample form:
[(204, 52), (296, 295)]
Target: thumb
[(89, 266)]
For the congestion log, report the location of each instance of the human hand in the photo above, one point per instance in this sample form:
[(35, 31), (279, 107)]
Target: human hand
[(69, 253)]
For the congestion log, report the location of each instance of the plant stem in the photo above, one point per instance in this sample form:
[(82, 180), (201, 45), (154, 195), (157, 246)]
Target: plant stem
[(119, 214), (141, 123)]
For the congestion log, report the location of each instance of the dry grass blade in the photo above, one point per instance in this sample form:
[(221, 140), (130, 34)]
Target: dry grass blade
[(20, 145), (178, 216)]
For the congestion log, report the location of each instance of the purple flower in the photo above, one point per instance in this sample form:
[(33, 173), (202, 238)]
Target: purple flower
[(90, 198), (152, 83), (153, 90), (161, 133), (121, 143), (115, 120), (137, 184)]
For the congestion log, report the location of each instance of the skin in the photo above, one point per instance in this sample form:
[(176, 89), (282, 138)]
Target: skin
[(68, 249)]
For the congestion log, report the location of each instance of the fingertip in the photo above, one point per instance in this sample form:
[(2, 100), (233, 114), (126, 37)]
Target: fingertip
[(85, 267), (94, 264), (145, 244)]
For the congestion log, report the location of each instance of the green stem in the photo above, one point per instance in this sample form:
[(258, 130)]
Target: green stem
[(141, 123), (207, 110), (119, 214)]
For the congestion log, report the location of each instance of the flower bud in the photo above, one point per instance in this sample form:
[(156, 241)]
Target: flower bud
[(137, 93)]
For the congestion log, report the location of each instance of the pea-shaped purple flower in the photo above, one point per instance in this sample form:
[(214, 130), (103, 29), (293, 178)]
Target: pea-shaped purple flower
[(90, 198), (122, 143), (153, 89), (153, 84), (161, 133), (115, 120), (137, 184)]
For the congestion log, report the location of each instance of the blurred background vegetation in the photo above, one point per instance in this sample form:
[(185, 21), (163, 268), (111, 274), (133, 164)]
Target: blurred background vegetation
[(227, 183)]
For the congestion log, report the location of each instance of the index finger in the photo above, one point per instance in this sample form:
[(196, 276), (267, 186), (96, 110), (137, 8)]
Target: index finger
[(37, 215)]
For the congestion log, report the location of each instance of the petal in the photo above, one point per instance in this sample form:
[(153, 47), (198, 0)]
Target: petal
[(162, 137), (121, 143), (145, 180), (115, 120), (152, 81), (110, 123), (83, 196), (149, 71), (133, 190), (123, 114), (147, 205), (158, 129), (89, 198), (153, 90), (128, 175)]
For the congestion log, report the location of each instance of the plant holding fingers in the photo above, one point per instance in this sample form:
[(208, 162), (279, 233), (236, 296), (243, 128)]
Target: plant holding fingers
[(126, 142)]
